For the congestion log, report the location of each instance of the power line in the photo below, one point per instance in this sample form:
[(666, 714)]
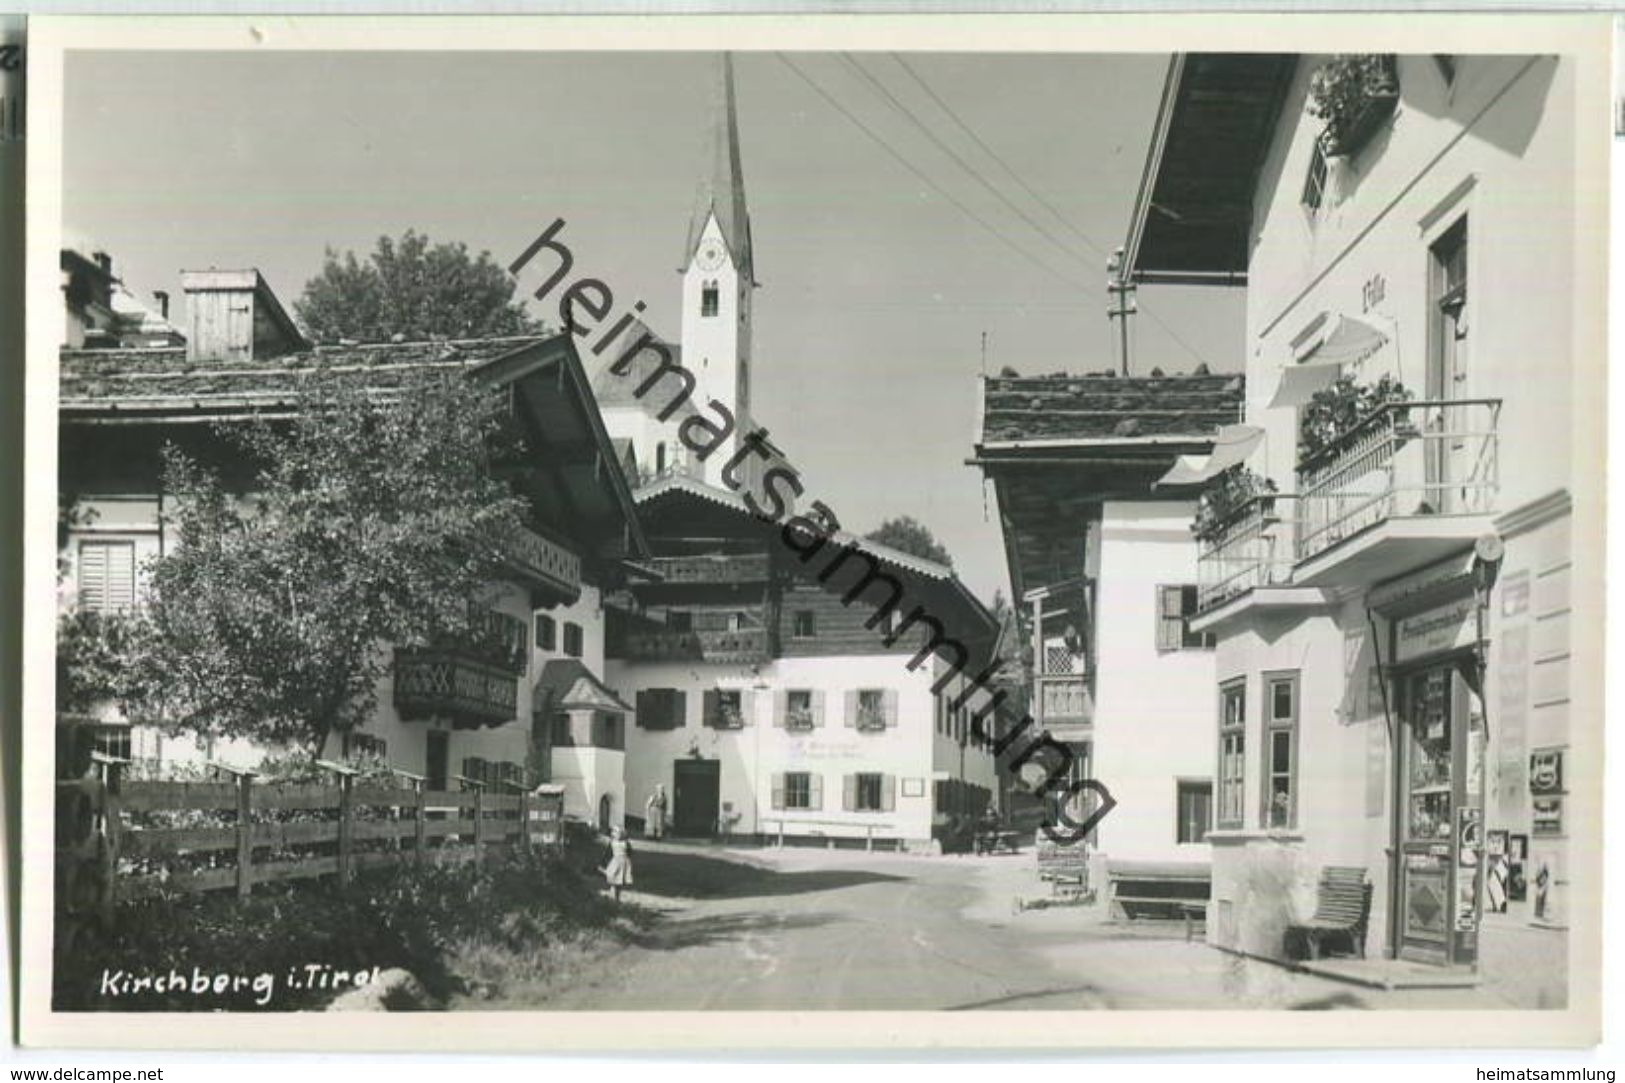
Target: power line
[(987, 150), (912, 168), (976, 174), (1046, 204)]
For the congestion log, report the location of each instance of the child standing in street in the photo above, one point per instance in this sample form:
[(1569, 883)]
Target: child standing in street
[(618, 873)]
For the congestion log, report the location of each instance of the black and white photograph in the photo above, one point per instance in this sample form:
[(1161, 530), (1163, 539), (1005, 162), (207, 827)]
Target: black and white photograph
[(531, 519)]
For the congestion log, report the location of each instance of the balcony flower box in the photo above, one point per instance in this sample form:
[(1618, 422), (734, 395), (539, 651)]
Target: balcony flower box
[(1228, 498), (871, 720), (1354, 94), (1337, 415), (799, 721)]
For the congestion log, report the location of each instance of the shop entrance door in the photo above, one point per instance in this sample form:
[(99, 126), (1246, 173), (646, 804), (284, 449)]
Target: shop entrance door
[(1440, 811)]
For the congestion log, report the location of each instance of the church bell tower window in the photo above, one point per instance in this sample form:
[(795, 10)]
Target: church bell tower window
[(708, 298)]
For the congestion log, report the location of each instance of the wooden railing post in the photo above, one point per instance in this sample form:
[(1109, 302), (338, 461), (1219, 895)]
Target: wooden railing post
[(524, 820), (346, 777), (479, 822), (346, 825), (245, 841), (112, 826), (420, 829)]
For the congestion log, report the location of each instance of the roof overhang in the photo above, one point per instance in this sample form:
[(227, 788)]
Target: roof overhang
[(579, 474), (1192, 218)]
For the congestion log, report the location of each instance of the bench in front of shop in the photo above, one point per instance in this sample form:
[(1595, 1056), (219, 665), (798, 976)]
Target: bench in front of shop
[(1167, 890), (1342, 908)]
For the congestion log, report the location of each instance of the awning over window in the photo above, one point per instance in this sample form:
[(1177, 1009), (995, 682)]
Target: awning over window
[(1347, 341), (1231, 445)]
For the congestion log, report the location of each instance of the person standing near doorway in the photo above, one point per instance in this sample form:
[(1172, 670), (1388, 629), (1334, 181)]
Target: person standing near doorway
[(654, 822)]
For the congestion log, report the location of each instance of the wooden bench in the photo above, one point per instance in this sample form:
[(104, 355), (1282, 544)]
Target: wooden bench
[(1342, 908), (1164, 889)]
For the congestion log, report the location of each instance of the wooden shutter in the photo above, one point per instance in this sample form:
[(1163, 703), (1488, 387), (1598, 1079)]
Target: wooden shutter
[(889, 700), (778, 790), (747, 708), (708, 707), (888, 793), (106, 575), (851, 709), (817, 708), (1170, 618), (781, 708), (678, 718), (645, 706), (849, 792), (815, 791)]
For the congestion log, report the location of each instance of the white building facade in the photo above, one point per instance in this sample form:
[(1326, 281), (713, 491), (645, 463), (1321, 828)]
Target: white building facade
[(1392, 612)]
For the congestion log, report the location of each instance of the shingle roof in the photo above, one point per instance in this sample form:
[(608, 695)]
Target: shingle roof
[(1063, 407), (164, 379)]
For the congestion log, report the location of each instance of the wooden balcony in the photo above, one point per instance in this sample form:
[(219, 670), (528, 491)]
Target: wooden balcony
[(744, 646), (445, 684), (1064, 700), (700, 570), (552, 570)]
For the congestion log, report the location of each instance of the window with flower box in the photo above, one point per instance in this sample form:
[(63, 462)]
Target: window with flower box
[(871, 710), (802, 709), (725, 709)]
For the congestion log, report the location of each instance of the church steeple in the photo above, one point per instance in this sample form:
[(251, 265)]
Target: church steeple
[(722, 187)]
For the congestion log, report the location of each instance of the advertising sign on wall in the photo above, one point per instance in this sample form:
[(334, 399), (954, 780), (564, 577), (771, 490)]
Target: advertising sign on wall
[(1444, 628)]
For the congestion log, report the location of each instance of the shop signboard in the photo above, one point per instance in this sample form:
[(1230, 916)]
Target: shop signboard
[(1443, 628)]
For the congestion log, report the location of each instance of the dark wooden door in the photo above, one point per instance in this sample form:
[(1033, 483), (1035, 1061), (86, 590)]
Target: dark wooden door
[(435, 759), (697, 787)]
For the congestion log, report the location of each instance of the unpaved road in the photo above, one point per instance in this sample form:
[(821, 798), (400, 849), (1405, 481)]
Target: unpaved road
[(810, 930)]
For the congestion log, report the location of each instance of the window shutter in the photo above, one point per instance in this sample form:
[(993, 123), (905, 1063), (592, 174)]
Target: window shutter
[(888, 793), (781, 708), (849, 792), (747, 708), (93, 576), (644, 705), (708, 702), (815, 792), (778, 790), (851, 709), (679, 709), (817, 708), (890, 701), (1170, 625)]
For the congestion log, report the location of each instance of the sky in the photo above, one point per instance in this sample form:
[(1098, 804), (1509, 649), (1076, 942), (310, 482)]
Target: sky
[(884, 259)]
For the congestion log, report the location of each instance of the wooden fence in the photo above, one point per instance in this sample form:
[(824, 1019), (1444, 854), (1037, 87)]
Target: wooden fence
[(133, 839)]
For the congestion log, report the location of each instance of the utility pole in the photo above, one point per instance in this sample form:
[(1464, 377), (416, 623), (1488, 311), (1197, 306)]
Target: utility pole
[(1122, 300)]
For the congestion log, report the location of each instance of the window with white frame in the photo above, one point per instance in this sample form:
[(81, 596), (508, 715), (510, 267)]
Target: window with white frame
[(1280, 750), (1232, 752)]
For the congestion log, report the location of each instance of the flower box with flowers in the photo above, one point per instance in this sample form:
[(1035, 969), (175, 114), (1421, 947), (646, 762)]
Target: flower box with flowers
[(1353, 94), (799, 719), (871, 720)]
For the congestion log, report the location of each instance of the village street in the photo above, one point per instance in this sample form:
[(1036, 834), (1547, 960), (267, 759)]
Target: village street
[(753, 929)]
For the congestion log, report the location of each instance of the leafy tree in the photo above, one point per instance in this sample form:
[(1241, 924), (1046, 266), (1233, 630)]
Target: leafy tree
[(372, 522), (412, 290), (909, 535)]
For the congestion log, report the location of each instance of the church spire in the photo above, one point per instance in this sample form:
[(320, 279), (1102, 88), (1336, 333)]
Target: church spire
[(722, 187)]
